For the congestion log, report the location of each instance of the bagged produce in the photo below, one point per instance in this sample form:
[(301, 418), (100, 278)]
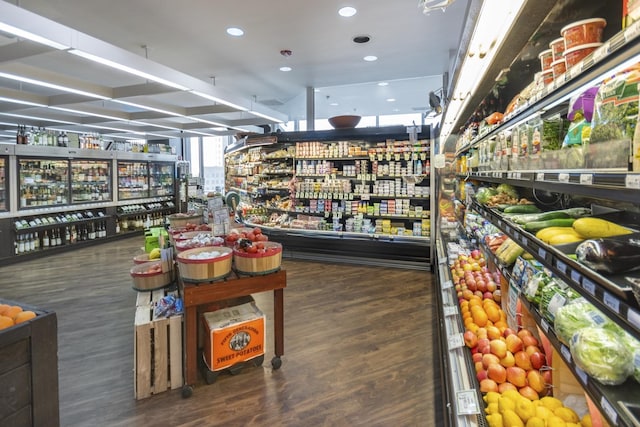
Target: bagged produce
[(602, 355), (555, 295), (576, 315), (633, 345), (532, 289), (612, 254)]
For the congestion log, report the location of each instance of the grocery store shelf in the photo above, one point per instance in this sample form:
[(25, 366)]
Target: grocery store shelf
[(603, 184), (609, 294), (609, 399)]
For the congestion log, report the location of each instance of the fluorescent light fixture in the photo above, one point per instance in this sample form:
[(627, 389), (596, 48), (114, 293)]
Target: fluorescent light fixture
[(383, 84), (208, 122), (200, 133), (24, 116), (145, 107), (370, 58), (220, 129), (391, 100), (116, 129), (334, 104), (316, 90), (30, 36), (264, 116), (494, 21), (285, 69), (235, 31), (51, 85), (347, 11), (19, 101), (126, 69), (219, 100), (86, 113)]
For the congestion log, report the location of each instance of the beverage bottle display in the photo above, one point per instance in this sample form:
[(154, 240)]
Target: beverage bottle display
[(45, 240), (32, 242), (21, 244), (92, 232)]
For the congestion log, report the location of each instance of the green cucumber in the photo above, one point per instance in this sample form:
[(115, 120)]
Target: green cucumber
[(535, 226), (544, 216), (522, 209)]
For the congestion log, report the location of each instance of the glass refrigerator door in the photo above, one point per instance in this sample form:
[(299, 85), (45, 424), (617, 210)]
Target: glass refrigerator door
[(4, 204), (43, 182), (161, 179), (90, 181), (133, 180)]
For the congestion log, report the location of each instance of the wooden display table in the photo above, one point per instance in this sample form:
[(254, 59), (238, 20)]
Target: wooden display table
[(201, 294)]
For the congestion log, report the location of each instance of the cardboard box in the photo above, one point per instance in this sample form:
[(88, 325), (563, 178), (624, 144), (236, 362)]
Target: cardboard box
[(232, 335)]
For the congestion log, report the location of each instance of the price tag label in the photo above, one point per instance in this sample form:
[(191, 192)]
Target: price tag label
[(632, 31), (455, 341), (632, 181), (540, 176), (563, 177), (448, 284), (524, 240), (450, 310), (518, 175), (365, 197), (582, 375), (542, 253), (561, 266), (600, 53), (586, 179), (566, 353), (633, 317), (575, 276), (442, 261), (350, 196), (589, 286), (609, 410), (612, 302), (545, 325), (467, 402)]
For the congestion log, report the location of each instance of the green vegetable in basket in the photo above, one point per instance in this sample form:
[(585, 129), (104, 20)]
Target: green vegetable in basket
[(508, 190), (576, 315), (555, 295), (533, 288), (602, 355)]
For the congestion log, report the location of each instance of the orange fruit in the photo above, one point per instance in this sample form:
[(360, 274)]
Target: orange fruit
[(5, 322), (3, 308), (13, 311), (23, 316), (479, 317)]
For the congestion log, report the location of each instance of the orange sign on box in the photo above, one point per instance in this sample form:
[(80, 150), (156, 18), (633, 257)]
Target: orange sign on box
[(233, 334)]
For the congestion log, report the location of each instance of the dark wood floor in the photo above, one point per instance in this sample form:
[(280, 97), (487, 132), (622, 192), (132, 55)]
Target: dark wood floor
[(359, 347)]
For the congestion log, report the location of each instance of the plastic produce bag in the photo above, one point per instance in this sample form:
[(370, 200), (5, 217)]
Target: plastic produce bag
[(168, 306), (602, 355), (577, 315), (555, 295)]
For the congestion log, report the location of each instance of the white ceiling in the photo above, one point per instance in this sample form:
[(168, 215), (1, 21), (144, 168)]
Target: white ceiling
[(413, 49)]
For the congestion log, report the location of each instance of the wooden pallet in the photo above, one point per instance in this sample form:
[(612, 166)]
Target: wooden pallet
[(158, 348)]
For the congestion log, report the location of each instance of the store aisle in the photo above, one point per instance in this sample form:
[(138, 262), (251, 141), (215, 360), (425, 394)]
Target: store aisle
[(359, 347)]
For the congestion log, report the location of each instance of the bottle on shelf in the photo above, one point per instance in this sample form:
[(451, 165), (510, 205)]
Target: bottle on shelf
[(92, 231), (45, 240), (58, 238), (32, 242), (117, 226), (67, 235)]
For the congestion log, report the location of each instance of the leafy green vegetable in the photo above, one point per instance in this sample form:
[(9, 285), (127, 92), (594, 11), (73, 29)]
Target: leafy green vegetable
[(508, 190), (633, 345), (602, 355), (578, 314), (484, 194)]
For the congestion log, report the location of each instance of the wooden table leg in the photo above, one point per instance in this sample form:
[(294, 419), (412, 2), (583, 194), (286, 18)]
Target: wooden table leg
[(278, 321), (191, 344)]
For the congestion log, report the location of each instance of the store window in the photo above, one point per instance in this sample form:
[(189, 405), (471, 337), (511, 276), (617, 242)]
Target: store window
[(213, 163), (194, 156), (401, 119)]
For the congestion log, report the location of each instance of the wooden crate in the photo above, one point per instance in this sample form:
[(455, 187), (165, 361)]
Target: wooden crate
[(29, 371), (157, 348)]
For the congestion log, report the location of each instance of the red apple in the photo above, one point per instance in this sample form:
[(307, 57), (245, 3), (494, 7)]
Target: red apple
[(506, 386), (530, 340), (497, 373), (481, 375), (482, 341), (514, 344), (522, 360), (508, 332), (517, 376), (546, 375), (476, 357), (537, 360), (523, 333), (479, 294), (478, 366), (482, 285), (487, 295), (497, 296), (488, 385), (532, 349), (498, 348)]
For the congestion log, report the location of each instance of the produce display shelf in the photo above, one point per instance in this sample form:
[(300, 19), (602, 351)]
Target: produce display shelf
[(60, 224), (609, 399), (608, 294), (619, 49), (612, 185)]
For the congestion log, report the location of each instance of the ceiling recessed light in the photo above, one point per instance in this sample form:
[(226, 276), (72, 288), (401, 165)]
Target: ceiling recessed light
[(383, 84), (347, 11), (370, 58), (391, 100), (316, 90), (234, 31), (285, 69), (395, 110), (334, 104)]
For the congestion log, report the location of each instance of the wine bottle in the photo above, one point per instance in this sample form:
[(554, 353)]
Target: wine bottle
[(92, 232), (45, 240), (20, 244), (67, 235), (32, 242), (58, 238)]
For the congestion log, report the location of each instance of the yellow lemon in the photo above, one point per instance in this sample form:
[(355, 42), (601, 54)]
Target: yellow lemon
[(586, 420), (511, 419), (555, 421), (567, 414), (525, 409), (535, 422), (495, 420), (491, 397), (505, 403), (551, 403), (543, 412)]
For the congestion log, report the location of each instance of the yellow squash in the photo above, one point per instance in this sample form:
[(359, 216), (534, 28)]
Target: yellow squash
[(594, 228)]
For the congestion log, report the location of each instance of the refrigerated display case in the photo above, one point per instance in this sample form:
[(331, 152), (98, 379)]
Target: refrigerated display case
[(133, 180), (161, 179), (43, 182), (90, 181)]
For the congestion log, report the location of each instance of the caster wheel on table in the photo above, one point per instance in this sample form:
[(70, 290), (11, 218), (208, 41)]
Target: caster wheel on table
[(210, 377), (258, 361), (235, 370), (276, 362), (187, 391)]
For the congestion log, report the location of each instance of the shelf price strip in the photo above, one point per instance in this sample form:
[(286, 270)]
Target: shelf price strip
[(455, 341), (632, 181), (633, 317), (589, 286), (586, 179), (565, 353), (450, 310), (581, 374), (467, 402), (612, 302), (609, 410)]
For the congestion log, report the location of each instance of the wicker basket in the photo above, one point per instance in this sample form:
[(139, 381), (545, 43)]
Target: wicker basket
[(204, 270), (141, 259), (143, 281), (180, 220), (259, 264)]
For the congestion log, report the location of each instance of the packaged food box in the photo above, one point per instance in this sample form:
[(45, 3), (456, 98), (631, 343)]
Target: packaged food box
[(233, 335)]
